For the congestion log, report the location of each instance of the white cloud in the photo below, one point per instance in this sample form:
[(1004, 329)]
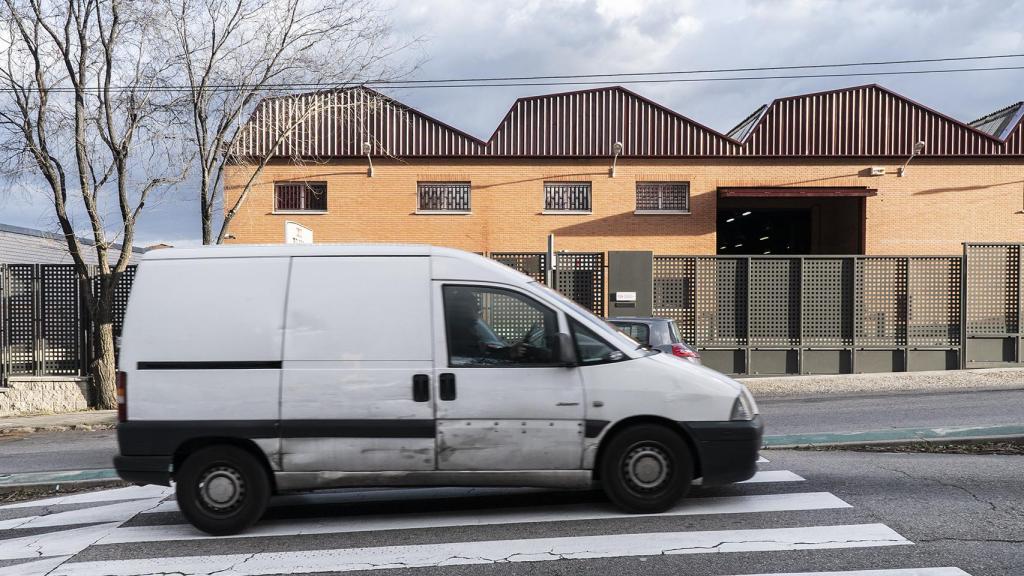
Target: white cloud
[(464, 38)]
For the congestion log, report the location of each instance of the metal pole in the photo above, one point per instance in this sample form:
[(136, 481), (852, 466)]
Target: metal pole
[(549, 265), (963, 307)]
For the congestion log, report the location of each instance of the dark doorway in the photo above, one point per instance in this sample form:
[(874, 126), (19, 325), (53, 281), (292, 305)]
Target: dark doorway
[(754, 226)]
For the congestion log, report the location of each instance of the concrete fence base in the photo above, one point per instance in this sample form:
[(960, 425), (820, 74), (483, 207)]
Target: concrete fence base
[(37, 394), (886, 383)]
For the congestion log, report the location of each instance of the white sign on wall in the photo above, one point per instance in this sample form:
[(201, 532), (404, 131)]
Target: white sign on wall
[(295, 233)]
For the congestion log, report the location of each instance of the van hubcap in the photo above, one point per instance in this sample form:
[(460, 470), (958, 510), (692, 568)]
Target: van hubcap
[(647, 467), (221, 489)]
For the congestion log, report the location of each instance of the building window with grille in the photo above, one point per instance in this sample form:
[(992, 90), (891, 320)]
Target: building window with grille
[(443, 197), (567, 197), (662, 197), (300, 197)]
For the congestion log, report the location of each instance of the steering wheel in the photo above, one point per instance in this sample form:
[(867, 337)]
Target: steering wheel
[(533, 335)]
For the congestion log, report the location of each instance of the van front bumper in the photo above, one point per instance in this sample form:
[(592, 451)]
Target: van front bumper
[(144, 469), (727, 451)]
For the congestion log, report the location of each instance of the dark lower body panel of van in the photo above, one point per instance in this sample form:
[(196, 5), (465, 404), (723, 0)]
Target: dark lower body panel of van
[(727, 451)]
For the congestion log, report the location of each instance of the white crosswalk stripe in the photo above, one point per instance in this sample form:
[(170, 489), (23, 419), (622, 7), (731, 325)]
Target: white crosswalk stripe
[(690, 507), (894, 572), (129, 493), (491, 552), (53, 553), (761, 477)]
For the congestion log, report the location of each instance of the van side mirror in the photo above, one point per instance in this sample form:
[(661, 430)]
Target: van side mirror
[(565, 349)]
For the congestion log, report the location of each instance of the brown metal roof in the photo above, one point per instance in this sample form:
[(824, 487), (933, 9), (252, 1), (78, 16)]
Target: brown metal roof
[(860, 121)]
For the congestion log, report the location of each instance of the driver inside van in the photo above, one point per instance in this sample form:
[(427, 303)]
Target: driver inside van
[(472, 340)]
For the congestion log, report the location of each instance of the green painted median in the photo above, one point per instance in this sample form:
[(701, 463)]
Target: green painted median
[(895, 435), (70, 476)]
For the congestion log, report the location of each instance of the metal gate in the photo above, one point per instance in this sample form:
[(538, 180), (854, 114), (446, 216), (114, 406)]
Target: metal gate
[(44, 322), (815, 314)]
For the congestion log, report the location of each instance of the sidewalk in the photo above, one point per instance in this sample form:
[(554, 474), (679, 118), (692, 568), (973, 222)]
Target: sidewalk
[(88, 420)]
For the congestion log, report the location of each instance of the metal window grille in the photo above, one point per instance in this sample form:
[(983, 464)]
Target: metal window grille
[(443, 196), (667, 196), (300, 196), (567, 196)]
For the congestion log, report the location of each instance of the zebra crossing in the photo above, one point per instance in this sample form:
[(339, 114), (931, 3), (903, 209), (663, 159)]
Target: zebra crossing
[(139, 530)]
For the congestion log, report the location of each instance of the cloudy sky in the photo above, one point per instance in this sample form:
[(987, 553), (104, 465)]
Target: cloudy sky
[(473, 38)]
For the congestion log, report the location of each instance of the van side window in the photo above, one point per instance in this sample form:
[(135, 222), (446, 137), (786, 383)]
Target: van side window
[(591, 348), (491, 327)]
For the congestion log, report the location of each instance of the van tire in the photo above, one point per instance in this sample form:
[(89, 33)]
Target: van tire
[(646, 469), (222, 489)]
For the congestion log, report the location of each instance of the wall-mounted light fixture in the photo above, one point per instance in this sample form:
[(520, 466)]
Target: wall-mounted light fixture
[(918, 147), (616, 151), (367, 148)]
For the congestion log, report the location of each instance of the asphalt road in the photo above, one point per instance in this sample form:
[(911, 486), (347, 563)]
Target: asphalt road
[(44, 451), (76, 450), (843, 512)]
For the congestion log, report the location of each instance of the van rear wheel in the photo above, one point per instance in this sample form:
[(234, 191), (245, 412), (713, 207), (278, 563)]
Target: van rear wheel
[(646, 469), (222, 489)]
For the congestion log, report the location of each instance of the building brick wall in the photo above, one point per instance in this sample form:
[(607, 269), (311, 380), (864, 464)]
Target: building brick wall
[(939, 204)]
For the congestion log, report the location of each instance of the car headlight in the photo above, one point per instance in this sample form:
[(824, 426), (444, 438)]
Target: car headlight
[(744, 407)]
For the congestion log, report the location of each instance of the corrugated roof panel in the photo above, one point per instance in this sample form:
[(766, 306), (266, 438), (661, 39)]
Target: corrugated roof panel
[(860, 121)]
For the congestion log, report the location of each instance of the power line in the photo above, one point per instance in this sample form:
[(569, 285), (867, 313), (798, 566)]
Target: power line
[(581, 79), (703, 71), (705, 79)]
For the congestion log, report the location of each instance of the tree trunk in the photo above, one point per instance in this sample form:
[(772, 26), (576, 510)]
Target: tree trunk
[(104, 372), (104, 368)]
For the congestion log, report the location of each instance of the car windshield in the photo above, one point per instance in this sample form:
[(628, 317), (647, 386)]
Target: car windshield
[(607, 331)]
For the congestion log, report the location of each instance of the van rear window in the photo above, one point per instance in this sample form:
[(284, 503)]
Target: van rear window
[(639, 332)]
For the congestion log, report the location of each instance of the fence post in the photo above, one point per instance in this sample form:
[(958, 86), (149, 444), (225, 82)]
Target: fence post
[(963, 308), (3, 325)]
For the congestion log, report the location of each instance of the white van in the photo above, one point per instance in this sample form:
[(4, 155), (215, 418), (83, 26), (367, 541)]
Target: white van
[(253, 370)]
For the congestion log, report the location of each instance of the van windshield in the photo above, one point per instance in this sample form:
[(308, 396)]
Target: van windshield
[(606, 330)]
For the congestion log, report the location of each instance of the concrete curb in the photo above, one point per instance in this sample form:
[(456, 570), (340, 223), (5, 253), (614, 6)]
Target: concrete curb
[(76, 427), (817, 386), (896, 436), (78, 421)]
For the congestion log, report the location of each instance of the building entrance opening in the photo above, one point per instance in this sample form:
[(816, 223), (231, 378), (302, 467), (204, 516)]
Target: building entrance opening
[(766, 224)]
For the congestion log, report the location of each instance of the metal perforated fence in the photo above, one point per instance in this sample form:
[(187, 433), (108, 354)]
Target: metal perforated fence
[(747, 314), (578, 275), (815, 314), (994, 307), (44, 321)]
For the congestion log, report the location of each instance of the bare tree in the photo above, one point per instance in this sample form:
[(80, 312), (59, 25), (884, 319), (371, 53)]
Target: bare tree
[(82, 117), (232, 53)]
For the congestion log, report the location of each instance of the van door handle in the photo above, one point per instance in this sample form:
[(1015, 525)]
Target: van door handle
[(420, 388), (447, 386)]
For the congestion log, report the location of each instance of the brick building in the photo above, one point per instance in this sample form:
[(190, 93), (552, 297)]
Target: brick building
[(811, 174)]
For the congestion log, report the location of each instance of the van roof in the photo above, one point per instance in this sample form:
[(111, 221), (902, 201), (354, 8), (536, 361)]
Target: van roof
[(467, 260), (272, 250)]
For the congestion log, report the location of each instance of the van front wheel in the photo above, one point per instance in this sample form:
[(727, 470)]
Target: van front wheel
[(646, 469), (222, 490)]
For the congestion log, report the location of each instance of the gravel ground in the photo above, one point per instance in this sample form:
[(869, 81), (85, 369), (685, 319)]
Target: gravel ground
[(1005, 448), (886, 383)]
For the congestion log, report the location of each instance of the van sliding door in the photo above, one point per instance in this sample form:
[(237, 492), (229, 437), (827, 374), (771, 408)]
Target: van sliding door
[(357, 362)]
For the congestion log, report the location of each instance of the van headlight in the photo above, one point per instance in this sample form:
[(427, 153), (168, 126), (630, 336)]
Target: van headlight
[(744, 407)]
